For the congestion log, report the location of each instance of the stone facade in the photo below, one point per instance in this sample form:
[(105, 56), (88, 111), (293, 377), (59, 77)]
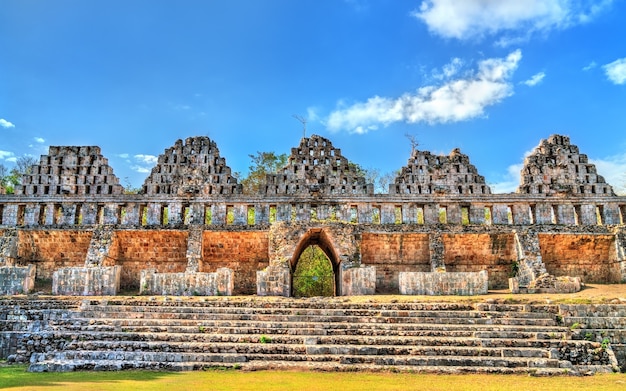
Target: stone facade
[(316, 167), (194, 167), (71, 171), (426, 173), (557, 167), (193, 218)]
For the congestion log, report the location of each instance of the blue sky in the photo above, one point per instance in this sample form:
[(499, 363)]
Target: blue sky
[(491, 77)]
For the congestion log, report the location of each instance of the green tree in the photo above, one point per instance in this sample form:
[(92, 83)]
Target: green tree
[(11, 178), (314, 274), (380, 181), (262, 163)]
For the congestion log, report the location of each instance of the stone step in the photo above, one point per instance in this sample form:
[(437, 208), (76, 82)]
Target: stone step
[(388, 360), (382, 339), (314, 328), (599, 322), (276, 365), (319, 349), (173, 312), (320, 318), (312, 304)]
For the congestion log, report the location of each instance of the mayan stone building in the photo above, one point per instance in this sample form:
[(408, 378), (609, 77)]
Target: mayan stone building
[(426, 173), (557, 167), (316, 167), (438, 230), (195, 167), (71, 171)]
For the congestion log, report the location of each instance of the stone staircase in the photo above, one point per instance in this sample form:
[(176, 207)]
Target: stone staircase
[(330, 334)]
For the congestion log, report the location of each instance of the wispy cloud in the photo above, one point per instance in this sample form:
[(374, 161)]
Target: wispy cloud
[(456, 100), (517, 20), (616, 71), (589, 67), (6, 124), (146, 159), (613, 169), (510, 181), (8, 156), (535, 79), (449, 70), (39, 140), (140, 169), (140, 163)]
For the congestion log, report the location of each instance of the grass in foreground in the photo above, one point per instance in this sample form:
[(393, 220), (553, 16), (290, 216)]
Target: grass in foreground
[(16, 378)]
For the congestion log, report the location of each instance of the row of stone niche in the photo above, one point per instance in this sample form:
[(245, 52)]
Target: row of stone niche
[(245, 214)]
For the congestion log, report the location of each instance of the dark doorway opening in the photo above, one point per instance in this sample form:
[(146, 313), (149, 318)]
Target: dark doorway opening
[(314, 274)]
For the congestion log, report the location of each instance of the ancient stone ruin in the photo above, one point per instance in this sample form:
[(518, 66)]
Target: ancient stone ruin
[(426, 173), (191, 231)]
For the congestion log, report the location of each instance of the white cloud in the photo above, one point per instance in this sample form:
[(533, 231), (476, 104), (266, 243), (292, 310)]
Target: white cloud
[(146, 159), (535, 79), (591, 65), (6, 155), (123, 155), (6, 124), (140, 169), (448, 70), (616, 71), (468, 19), (39, 140), (453, 101), (511, 180), (613, 169)]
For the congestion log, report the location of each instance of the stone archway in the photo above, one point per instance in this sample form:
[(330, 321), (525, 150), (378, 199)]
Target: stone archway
[(339, 241), (316, 237)]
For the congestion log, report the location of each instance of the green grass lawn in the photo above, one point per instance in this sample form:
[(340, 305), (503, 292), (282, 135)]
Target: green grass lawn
[(16, 378)]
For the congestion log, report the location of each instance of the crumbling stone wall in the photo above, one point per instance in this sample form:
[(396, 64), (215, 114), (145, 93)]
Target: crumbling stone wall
[(557, 167), (590, 257), (436, 217), (243, 252), (194, 167), (52, 249), (393, 253), (136, 250), (316, 167), (493, 252), (71, 170), (426, 173)]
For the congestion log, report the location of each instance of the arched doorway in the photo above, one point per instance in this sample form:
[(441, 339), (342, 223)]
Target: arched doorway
[(313, 274), (314, 266)]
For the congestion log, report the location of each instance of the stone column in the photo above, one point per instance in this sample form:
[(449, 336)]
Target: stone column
[(194, 248), (620, 243), (437, 251), (530, 264)]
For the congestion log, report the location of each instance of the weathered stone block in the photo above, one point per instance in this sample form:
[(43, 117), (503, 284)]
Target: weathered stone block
[(86, 281), (358, 281), (16, 280), (435, 284), (274, 281), (219, 283)]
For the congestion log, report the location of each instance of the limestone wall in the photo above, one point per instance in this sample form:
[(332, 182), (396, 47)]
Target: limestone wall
[(136, 250), (242, 252), (494, 253), (591, 257), (52, 249), (392, 253)]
